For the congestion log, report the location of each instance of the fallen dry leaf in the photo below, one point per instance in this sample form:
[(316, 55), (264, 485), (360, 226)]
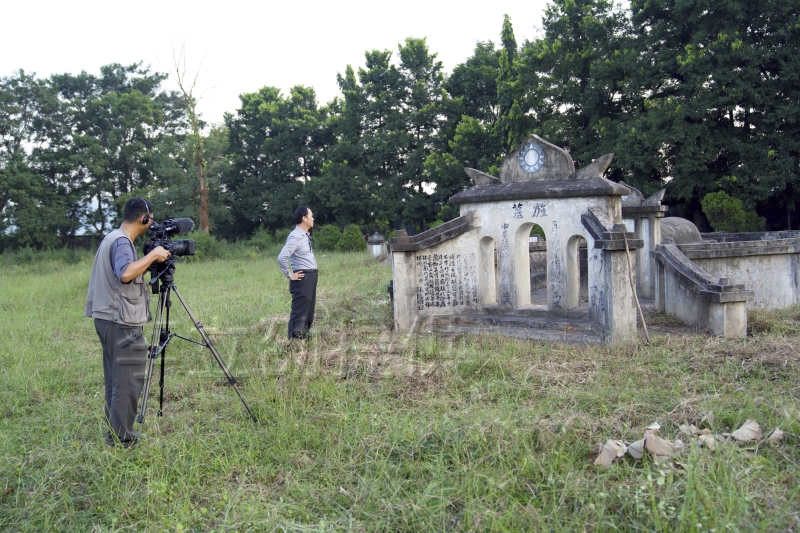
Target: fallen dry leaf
[(607, 453), (677, 445), (655, 426), (659, 448), (618, 445), (776, 436), (750, 430), (706, 441), (636, 449)]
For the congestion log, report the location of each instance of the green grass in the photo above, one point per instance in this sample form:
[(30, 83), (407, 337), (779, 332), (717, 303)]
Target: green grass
[(365, 430)]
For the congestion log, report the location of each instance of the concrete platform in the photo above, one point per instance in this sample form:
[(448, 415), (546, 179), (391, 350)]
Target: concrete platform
[(534, 324)]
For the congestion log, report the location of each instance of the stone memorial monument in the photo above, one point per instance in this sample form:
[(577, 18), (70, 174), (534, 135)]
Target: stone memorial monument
[(473, 273)]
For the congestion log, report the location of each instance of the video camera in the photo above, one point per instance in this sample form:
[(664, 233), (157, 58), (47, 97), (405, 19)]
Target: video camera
[(160, 236)]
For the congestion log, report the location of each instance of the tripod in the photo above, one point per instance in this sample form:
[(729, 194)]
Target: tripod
[(162, 336)]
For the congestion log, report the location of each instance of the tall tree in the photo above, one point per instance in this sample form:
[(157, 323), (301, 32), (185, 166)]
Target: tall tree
[(35, 210), (473, 141), (562, 86), (344, 193), (117, 121), (423, 113), (189, 102), (720, 92), (276, 146)]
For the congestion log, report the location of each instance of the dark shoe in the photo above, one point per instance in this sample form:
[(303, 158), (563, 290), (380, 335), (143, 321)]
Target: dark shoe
[(130, 442)]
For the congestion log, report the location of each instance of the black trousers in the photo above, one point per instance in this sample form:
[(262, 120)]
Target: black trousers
[(304, 297), (124, 363)]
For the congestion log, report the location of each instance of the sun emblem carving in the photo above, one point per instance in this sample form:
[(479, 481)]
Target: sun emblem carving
[(531, 157)]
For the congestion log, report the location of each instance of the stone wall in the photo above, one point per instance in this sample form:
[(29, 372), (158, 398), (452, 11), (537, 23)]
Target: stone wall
[(769, 267)]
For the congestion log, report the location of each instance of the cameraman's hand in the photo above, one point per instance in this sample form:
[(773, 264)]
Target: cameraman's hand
[(137, 268), (159, 254)]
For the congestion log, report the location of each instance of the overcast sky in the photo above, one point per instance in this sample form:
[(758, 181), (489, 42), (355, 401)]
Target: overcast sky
[(245, 45)]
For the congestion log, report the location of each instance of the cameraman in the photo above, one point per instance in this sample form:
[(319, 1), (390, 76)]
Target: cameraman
[(119, 301)]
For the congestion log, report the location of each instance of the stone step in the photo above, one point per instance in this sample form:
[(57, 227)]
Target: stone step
[(547, 335), (516, 321), (536, 311)]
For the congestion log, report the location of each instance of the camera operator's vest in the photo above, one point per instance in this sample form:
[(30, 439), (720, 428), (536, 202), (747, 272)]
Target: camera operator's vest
[(110, 299)]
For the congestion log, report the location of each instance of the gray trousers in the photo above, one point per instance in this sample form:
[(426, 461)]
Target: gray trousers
[(124, 362)]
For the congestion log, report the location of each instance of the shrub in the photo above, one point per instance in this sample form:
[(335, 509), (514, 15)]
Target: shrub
[(435, 223), (261, 240), (205, 246), (281, 235), (327, 237), (351, 240), (725, 213)]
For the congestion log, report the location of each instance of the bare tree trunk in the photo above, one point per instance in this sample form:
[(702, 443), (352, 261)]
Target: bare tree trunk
[(190, 104), (205, 224)]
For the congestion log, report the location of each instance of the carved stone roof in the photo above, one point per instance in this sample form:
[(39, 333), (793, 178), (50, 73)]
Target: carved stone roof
[(539, 169), (530, 190)]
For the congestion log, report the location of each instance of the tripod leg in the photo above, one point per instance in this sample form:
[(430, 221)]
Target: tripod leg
[(164, 337), (154, 346), (217, 356)]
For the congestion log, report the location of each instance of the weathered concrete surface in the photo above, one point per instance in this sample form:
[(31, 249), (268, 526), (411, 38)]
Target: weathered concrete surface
[(679, 230), (687, 291), (643, 216), (557, 165), (752, 236), (531, 190), (481, 178), (771, 269), (449, 230), (565, 329), (405, 291)]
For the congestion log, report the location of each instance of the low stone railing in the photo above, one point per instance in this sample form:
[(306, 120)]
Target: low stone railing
[(685, 290)]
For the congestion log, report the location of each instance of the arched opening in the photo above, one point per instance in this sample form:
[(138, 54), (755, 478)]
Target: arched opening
[(488, 272), (577, 272), (530, 266), (537, 257)]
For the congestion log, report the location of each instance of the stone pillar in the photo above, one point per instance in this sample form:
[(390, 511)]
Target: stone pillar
[(660, 282), (642, 267), (506, 293), (728, 319), (617, 311), (405, 288), (647, 225)]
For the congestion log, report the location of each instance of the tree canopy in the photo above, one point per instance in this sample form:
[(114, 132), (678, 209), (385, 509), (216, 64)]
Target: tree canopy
[(694, 97)]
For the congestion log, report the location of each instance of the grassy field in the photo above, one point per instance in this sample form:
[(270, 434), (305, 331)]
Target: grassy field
[(364, 430)]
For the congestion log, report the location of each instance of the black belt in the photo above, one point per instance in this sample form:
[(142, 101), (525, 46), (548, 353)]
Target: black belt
[(304, 270)]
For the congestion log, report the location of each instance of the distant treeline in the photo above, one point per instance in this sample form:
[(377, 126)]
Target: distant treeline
[(695, 97)]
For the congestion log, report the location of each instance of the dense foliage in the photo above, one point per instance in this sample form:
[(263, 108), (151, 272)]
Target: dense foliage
[(694, 97)]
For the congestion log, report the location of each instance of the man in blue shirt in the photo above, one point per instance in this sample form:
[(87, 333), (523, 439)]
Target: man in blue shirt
[(118, 300), (298, 251)]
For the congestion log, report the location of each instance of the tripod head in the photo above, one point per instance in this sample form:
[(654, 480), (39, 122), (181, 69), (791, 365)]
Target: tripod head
[(163, 273)]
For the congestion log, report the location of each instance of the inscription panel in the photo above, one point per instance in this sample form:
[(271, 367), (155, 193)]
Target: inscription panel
[(446, 280)]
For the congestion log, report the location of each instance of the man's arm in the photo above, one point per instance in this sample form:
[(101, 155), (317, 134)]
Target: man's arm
[(137, 268), (283, 258)]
